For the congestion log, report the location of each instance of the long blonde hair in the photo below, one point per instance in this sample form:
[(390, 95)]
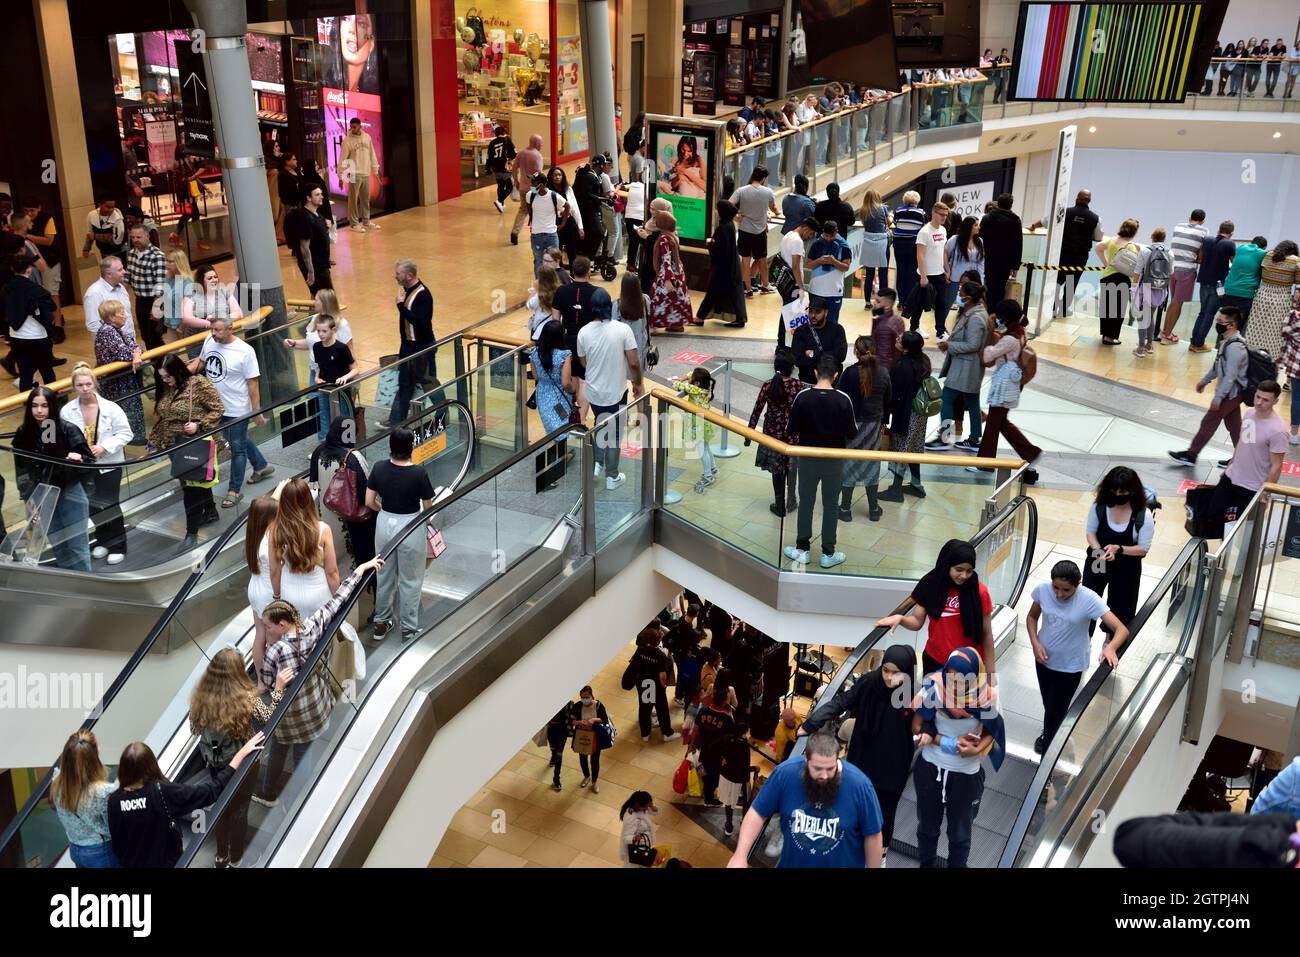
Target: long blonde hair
[(223, 698), (548, 283), (260, 516), (295, 535), (871, 201), (79, 769), (329, 306), (181, 263)]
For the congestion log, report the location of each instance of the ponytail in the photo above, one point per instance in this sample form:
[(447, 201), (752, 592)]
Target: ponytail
[(864, 350), (784, 365)]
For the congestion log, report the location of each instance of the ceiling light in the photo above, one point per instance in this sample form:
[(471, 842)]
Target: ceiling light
[(1092, 129), (1277, 136)]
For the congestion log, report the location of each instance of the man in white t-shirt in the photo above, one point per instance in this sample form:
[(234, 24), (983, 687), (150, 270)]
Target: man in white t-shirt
[(932, 267), (608, 350), (231, 365), (794, 248), (108, 286), (547, 212)]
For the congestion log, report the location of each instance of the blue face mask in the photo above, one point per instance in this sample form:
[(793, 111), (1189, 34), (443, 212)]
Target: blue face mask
[(961, 301)]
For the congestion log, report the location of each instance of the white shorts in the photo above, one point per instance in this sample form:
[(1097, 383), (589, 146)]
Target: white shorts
[(52, 279)]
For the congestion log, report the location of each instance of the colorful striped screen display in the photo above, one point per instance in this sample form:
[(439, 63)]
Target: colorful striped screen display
[(1117, 52)]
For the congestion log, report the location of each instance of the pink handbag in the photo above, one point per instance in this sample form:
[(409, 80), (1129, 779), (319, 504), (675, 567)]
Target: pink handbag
[(433, 543)]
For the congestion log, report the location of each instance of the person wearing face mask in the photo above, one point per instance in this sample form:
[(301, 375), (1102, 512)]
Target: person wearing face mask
[(1231, 365), (880, 704), (963, 370), (1119, 532), (585, 714), (830, 816), (1067, 611)]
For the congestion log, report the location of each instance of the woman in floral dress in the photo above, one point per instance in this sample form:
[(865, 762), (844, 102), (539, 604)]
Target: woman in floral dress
[(112, 345), (670, 304), (776, 396)]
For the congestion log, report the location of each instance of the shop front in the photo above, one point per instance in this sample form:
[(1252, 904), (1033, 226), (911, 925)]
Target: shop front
[(519, 65), (730, 54), (310, 76)]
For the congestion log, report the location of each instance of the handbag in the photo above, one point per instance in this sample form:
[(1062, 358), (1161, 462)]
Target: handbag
[(341, 496), (651, 356), (641, 852), (540, 739), (1200, 522), (1004, 386), (605, 735), (433, 542)]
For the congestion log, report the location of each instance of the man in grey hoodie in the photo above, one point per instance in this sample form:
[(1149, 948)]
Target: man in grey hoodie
[(1229, 369)]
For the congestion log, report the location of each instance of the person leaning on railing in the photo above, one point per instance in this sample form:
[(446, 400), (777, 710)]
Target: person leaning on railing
[(186, 405), (62, 442), (107, 431)]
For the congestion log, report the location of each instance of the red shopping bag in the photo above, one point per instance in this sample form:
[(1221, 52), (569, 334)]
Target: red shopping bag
[(680, 776)]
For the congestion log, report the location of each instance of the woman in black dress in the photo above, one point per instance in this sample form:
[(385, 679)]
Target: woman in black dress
[(726, 291)]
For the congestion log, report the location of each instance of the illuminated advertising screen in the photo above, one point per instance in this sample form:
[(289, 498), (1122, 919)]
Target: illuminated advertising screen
[(684, 161), (1111, 52)]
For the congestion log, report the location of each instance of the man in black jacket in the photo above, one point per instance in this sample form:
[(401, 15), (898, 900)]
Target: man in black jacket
[(1003, 237), (821, 416), (816, 338), (832, 207), (587, 191), (1081, 229), (29, 321), (650, 673)]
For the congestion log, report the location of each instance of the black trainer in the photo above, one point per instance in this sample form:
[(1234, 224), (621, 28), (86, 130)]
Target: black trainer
[(1040, 745)]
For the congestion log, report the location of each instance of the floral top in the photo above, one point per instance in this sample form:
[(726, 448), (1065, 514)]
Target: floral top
[(88, 824), (776, 422), (697, 429)]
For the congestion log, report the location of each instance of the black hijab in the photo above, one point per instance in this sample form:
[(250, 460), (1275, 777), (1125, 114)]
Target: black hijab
[(931, 592), (334, 449), (881, 746)]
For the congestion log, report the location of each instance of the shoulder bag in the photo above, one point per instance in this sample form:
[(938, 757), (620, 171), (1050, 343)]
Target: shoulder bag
[(341, 495), (195, 463), (173, 832)]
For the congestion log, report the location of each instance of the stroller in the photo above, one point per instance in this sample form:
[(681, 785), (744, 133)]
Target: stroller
[(604, 260)]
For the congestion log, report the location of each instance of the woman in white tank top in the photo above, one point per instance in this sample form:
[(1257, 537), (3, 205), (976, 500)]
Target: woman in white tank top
[(304, 568), (261, 514)]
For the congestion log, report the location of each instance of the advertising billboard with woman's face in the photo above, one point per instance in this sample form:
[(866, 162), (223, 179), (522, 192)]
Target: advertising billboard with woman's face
[(684, 171)]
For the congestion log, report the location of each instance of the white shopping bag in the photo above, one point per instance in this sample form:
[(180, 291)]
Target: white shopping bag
[(795, 312)]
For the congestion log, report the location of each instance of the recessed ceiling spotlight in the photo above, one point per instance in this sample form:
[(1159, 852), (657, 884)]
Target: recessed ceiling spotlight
[(1092, 129), (1277, 136)]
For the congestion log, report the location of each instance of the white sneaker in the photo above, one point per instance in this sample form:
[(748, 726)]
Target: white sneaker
[(1293, 440), (830, 561), (116, 558), (672, 737), (612, 483), (600, 470), (498, 205), (99, 552), (358, 228), (370, 225), (924, 334), (795, 554), (645, 737)]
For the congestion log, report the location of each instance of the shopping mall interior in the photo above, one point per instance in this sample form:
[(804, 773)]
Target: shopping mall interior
[(839, 556)]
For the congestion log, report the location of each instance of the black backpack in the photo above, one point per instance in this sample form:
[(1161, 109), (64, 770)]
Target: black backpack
[(1260, 367)]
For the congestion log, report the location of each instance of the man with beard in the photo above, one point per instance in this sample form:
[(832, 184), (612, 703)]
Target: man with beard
[(829, 813)]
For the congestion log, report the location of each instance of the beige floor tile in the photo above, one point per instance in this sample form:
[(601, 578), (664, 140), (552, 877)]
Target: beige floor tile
[(580, 836), (514, 839), (547, 853), (512, 784), (588, 860), (495, 857), (592, 813), (459, 848)]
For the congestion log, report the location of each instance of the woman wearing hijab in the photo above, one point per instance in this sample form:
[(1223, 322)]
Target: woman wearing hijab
[(339, 449), (726, 291), (958, 724), (648, 233), (880, 705), (957, 605), (670, 303)]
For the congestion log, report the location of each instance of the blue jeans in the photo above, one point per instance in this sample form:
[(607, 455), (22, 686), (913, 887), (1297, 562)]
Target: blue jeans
[(1205, 318), (322, 410), (972, 413), (540, 243), (242, 452), (93, 855), (69, 526), (938, 793), (273, 765)]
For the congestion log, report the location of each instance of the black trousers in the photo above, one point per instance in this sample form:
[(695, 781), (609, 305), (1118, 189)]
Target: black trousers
[(888, 811), (198, 505), (634, 241), (647, 710), (1229, 500), (590, 766), (33, 356), (411, 373), (1068, 281), (1057, 689), (232, 825), (1113, 305), (557, 762), (996, 276), (504, 185), (941, 794), (106, 511), (1122, 578), (826, 474), (149, 326)]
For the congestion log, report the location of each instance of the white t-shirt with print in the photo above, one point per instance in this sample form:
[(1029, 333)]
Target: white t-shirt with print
[(932, 240), (229, 367)]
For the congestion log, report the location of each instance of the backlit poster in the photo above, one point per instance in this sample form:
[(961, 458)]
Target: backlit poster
[(684, 160), (340, 106)]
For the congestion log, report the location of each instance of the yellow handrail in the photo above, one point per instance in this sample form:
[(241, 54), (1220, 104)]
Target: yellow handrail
[(501, 340), (307, 304), (109, 368), (1286, 491), (815, 452)]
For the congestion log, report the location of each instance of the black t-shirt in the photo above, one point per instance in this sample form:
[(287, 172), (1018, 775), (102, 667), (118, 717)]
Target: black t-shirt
[(301, 223), (823, 418), (289, 185), (735, 753), (650, 662), (401, 487), (138, 820), (712, 728), (334, 361), (500, 152), (574, 303)]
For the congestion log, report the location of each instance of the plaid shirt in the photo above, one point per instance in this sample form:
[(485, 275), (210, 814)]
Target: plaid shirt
[(309, 711), (146, 271)]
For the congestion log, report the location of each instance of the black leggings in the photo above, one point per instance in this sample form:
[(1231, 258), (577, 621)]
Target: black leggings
[(198, 506), (1057, 689), (590, 768), (888, 811), (783, 485)]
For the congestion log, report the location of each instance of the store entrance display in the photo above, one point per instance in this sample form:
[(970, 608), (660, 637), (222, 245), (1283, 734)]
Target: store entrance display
[(743, 48)]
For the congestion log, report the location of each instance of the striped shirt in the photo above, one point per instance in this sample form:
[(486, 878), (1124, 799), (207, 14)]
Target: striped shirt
[(1186, 242), (908, 221)]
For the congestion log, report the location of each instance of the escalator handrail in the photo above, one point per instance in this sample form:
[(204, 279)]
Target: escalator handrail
[(321, 648), (1193, 551), (876, 634), (169, 614)]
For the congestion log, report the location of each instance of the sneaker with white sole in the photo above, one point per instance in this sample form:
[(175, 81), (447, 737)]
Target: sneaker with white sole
[(99, 552), (938, 445), (600, 470), (612, 483), (1293, 440), (830, 561), (672, 737), (265, 801), (116, 558), (499, 205), (358, 228), (373, 226), (795, 554)]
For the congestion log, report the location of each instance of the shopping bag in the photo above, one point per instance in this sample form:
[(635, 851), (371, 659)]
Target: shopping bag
[(540, 739), (195, 462), (584, 741), (663, 854), (1200, 523), (694, 784), (680, 777), (795, 313), (605, 735)]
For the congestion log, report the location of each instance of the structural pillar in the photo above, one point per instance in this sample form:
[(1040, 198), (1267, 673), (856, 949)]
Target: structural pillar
[(243, 169), (598, 75), (663, 57)]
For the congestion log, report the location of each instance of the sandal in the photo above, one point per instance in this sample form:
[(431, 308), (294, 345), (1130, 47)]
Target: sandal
[(1169, 340), (231, 500)]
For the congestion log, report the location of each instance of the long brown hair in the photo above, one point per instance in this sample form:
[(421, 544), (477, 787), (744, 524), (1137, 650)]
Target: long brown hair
[(548, 282), (223, 698), (281, 612), (79, 769), (261, 513), (137, 766), (865, 352), (631, 300), (871, 201), (295, 535)]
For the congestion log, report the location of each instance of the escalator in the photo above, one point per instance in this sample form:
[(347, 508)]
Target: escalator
[(1037, 811)]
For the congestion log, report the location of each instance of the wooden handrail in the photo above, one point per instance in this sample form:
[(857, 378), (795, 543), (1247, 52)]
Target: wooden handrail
[(815, 452), (307, 303), (109, 368), (501, 340), (1286, 491)]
